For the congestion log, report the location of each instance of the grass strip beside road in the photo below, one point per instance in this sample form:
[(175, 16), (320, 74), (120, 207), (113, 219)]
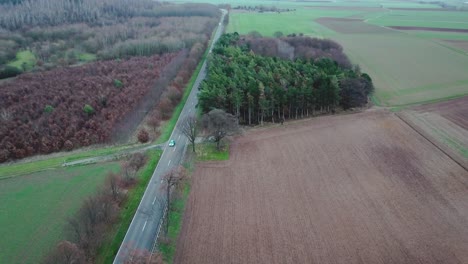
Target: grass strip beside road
[(108, 252), (175, 224)]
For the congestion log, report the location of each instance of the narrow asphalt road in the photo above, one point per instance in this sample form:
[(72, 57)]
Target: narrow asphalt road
[(145, 224)]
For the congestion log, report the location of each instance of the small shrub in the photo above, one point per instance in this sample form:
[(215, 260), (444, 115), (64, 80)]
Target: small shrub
[(254, 34), (9, 71), (89, 110), (48, 109), (68, 145), (278, 34), (143, 136), (118, 83)]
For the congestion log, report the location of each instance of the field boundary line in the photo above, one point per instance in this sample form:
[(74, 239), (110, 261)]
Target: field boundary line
[(111, 157), (434, 142)]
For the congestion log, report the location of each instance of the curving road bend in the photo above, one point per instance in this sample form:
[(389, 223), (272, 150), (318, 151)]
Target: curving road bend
[(144, 227)]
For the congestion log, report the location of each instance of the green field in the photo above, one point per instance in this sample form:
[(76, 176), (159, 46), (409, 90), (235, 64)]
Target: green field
[(438, 35), (437, 19), (407, 67), (35, 207), (300, 21), (408, 70)]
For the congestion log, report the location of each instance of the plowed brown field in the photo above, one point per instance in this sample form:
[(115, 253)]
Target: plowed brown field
[(445, 124), (362, 188)]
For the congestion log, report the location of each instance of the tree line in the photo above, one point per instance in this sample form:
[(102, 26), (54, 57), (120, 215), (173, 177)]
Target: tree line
[(262, 8), (258, 88), (31, 13)]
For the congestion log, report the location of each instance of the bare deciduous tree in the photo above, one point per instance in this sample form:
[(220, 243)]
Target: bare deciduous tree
[(131, 166), (112, 183), (220, 124), (189, 127), (137, 160)]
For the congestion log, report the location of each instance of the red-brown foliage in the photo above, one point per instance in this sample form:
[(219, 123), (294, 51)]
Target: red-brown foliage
[(165, 108), (154, 120), (66, 252), (174, 95), (28, 129), (299, 47), (143, 136)]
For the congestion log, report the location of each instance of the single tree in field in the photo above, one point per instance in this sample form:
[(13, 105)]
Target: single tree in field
[(171, 180), (278, 34), (220, 124), (189, 127)]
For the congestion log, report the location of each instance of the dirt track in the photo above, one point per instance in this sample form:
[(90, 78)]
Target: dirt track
[(361, 188)]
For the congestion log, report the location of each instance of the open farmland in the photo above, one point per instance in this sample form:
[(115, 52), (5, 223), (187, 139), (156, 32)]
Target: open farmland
[(35, 208), (423, 18), (461, 44), (446, 124), (407, 66), (400, 67), (361, 188), (299, 21)]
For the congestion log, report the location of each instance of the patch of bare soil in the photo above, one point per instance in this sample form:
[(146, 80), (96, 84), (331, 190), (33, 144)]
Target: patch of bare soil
[(362, 188), (461, 44), (350, 26), (455, 110), (445, 124)]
